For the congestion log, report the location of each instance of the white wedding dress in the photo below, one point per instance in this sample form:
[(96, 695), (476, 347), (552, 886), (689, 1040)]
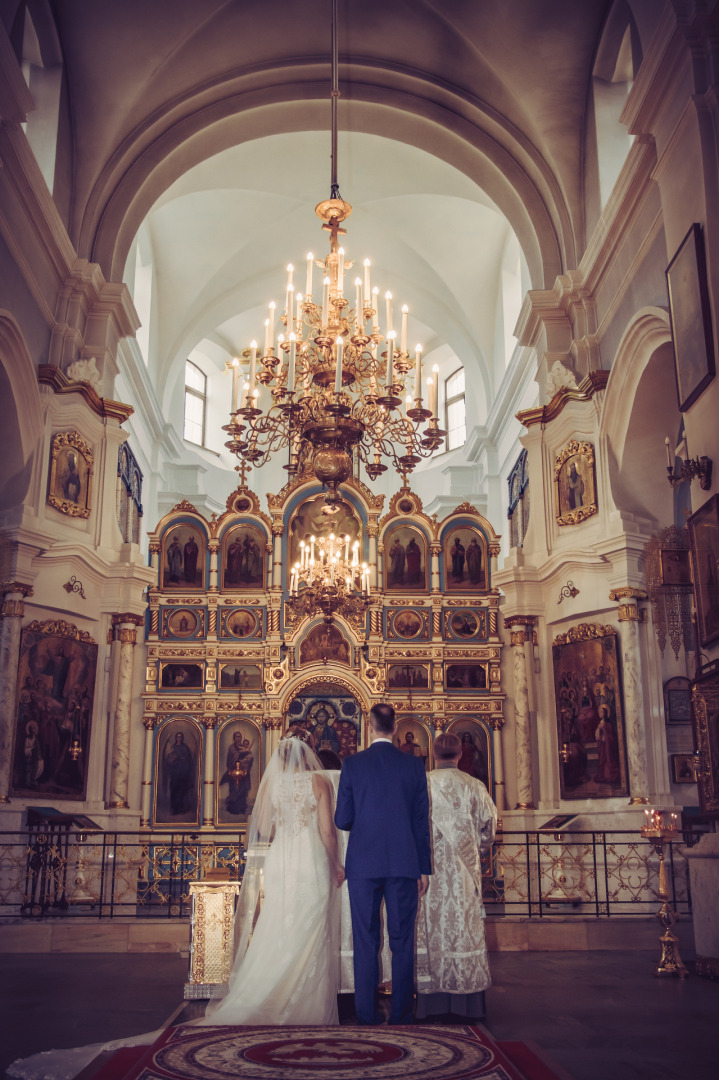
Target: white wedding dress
[(287, 928), (289, 973)]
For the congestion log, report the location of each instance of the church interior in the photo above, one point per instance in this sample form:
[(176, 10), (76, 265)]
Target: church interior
[(361, 352)]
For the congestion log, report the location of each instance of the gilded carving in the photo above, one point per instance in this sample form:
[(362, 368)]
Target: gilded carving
[(628, 592), (150, 722), (583, 632), (61, 628), (629, 613), (574, 483), (13, 608), (127, 636)]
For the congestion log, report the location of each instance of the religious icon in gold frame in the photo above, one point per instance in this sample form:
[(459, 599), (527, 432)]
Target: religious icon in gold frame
[(71, 469), (574, 483)]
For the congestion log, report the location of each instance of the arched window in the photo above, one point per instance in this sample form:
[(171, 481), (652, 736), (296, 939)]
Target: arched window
[(195, 403), (617, 61), (454, 410), (42, 68)]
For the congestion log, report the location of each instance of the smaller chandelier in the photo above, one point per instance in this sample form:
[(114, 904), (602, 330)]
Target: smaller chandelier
[(332, 578)]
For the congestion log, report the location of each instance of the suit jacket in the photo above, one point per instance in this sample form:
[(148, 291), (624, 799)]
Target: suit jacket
[(383, 801)]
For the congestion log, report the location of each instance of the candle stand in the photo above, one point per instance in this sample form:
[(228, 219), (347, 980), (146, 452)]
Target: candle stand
[(659, 835)]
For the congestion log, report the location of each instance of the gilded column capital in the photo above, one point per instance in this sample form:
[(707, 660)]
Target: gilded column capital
[(629, 613), (278, 528), (128, 617), (627, 592), (150, 722), (272, 723), (127, 635), (518, 637), (373, 531), (155, 548), (519, 620), (13, 609), (435, 549), (209, 723), (496, 723), (21, 587)]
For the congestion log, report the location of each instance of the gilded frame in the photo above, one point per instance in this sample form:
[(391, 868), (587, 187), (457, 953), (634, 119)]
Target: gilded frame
[(691, 319), (575, 486), (72, 465), (705, 695), (177, 787), (421, 739), (704, 539), (414, 676), (244, 570), (247, 729), (399, 577)]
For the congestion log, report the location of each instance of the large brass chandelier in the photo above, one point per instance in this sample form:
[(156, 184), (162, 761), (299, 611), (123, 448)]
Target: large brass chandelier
[(332, 578), (332, 385)]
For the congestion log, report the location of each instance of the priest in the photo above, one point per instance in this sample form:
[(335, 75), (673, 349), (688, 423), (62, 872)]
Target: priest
[(452, 963)]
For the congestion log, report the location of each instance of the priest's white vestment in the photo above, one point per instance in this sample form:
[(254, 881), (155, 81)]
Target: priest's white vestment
[(451, 946)]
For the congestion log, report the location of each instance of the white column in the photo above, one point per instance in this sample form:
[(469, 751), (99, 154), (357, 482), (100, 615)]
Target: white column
[(214, 546), (209, 723), (120, 762), (523, 734), (13, 609), (634, 711), (277, 530), (435, 551), (373, 531), (149, 722)]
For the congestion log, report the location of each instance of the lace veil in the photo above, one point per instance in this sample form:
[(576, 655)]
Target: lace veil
[(292, 758)]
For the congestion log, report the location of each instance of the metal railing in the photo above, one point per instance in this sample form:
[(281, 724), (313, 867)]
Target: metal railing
[(147, 875)]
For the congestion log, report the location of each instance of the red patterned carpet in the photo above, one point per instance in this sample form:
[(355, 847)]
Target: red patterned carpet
[(309, 1053)]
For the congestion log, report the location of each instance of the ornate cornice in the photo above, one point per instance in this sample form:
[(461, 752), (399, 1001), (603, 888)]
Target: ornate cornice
[(61, 628), (16, 587), (591, 384), (48, 375), (584, 632)]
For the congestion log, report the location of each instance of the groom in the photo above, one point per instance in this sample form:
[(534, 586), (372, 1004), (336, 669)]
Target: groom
[(382, 800)]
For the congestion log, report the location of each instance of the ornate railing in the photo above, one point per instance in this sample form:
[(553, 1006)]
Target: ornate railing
[(141, 875)]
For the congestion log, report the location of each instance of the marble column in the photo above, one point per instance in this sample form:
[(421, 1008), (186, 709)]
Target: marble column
[(126, 637), (277, 531), (149, 723), (209, 723), (500, 792), (523, 735), (630, 616), (13, 610)]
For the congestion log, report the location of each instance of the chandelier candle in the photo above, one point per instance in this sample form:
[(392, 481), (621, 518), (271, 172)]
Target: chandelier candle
[(310, 267)]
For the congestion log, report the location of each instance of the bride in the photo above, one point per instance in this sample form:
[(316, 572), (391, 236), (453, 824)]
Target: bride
[(286, 967), (287, 926)]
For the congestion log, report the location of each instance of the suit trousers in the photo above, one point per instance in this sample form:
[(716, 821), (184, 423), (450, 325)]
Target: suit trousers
[(400, 897)]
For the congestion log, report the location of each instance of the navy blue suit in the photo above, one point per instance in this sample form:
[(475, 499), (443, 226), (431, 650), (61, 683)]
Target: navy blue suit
[(383, 801)]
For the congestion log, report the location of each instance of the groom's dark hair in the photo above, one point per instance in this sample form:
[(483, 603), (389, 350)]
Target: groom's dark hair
[(382, 718)]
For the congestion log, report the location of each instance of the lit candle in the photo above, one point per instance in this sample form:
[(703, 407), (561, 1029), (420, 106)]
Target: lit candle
[(266, 351), (403, 330), (235, 381), (245, 392), (390, 358), (290, 269), (431, 395), (418, 371), (291, 366), (253, 364), (375, 308), (347, 548), (325, 301), (669, 456), (341, 270), (355, 557), (367, 290), (358, 306), (310, 266), (293, 578), (338, 368), (388, 309)]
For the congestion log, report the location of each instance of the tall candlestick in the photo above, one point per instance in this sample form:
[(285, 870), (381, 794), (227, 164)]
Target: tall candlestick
[(431, 395), (367, 290), (347, 548), (298, 319), (669, 456), (253, 364), (266, 351), (290, 269), (390, 359), (291, 365), (272, 327), (435, 384), (289, 305), (325, 302), (375, 308), (418, 371), (341, 270), (310, 267), (245, 392), (388, 309), (235, 381), (338, 369), (359, 319), (403, 330)]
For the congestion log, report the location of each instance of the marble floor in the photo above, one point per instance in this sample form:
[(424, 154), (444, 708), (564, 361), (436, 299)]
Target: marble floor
[(594, 1015)]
